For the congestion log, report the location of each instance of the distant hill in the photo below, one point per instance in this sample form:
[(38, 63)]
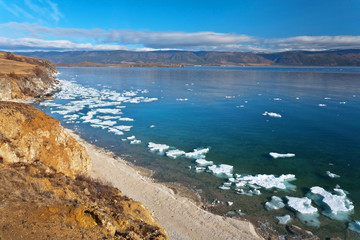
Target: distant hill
[(205, 58)]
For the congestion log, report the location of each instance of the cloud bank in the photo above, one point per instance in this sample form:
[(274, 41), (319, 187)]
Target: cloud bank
[(38, 37)]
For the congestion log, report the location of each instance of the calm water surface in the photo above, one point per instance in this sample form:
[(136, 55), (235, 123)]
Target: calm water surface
[(320, 109)]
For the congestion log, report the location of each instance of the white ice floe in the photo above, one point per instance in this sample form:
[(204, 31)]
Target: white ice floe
[(108, 123), (327, 98), (342, 102), (123, 128), (305, 212), (203, 163), (158, 148), (275, 203), (109, 110), (222, 170), (272, 114), (240, 106), (332, 175), (174, 153), (131, 138), (284, 219), (277, 99), (355, 226), (301, 205), (152, 126), (135, 141), (197, 153), (228, 97), (281, 155), (182, 99), (336, 206), (269, 181), (125, 119), (321, 105), (115, 131)]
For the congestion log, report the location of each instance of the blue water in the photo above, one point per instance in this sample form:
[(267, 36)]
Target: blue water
[(320, 109)]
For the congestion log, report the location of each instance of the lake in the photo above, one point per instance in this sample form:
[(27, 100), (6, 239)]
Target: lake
[(268, 131)]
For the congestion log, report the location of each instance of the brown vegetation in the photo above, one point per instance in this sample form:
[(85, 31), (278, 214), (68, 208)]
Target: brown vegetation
[(92, 64), (37, 202)]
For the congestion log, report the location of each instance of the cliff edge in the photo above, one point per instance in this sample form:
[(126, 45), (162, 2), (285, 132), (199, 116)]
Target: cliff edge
[(26, 78)]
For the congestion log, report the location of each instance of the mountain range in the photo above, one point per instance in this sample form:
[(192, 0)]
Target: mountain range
[(205, 58)]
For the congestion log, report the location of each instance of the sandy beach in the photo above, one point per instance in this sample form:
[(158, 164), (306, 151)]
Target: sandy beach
[(180, 216)]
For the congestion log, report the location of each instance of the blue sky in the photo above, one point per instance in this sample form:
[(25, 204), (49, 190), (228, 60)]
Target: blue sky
[(242, 25)]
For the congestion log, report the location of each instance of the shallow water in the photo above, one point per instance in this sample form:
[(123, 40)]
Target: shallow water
[(222, 108)]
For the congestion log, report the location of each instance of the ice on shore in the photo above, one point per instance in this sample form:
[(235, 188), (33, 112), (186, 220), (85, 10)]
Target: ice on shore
[(197, 153), (158, 148), (222, 170), (332, 175), (336, 206), (174, 153), (275, 203), (281, 155), (355, 226), (305, 212), (135, 141), (203, 163), (269, 181), (284, 219), (272, 114), (301, 205)]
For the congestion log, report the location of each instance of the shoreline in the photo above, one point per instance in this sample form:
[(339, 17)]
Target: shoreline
[(179, 215)]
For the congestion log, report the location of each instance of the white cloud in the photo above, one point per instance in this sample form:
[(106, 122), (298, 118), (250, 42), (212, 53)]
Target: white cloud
[(121, 39)]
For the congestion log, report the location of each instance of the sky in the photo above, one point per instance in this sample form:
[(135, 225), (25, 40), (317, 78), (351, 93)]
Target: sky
[(190, 25)]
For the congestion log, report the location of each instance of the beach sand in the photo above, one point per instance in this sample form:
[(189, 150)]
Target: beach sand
[(178, 215)]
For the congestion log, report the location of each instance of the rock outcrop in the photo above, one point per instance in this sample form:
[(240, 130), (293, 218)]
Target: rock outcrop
[(25, 78), (36, 202), (29, 135)]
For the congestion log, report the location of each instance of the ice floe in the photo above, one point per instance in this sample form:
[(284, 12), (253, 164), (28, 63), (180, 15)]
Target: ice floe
[(175, 153), (275, 203), (272, 114), (182, 99), (281, 155), (269, 181), (305, 212), (135, 141), (332, 175), (277, 99), (355, 226), (284, 219), (197, 153), (336, 206), (158, 148), (221, 170), (203, 163), (321, 105)]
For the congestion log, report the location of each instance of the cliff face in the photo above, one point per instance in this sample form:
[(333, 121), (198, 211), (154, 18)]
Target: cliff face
[(36, 202), (25, 78), (29, 135)]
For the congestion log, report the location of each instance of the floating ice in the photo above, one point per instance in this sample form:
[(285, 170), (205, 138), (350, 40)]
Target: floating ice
[(108, 123), (269, 181), (159, 148), (332, 175), (281, 155), (109, 110), (123, 128), (131, 138), (284, 219), (224, 187), (182, 99), (336, 206), (342, 102), (355, 226), (152, 126), (222, 170), (229, 97), (301, 205), (126, 119), (175, 153), (197, 153), (275, 203), (240, 106), (321, 105), (135, 141), (116, 131), (203, 163), (277, 99), (272, 114)]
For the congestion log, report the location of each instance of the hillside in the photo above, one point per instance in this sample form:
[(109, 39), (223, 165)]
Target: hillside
[(25, 78), (204, 58)]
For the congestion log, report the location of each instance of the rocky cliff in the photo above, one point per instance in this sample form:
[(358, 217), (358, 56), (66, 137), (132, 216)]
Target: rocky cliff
[(25, 78), (29, 135), (44, 189)]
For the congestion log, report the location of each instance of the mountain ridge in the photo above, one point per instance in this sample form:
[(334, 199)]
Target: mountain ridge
[(206, 58)]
